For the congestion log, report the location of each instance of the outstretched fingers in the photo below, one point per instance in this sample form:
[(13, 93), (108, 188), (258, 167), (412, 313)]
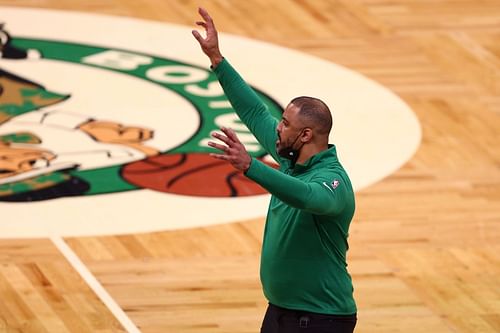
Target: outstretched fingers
[(218, 146), (231, 134), (226, 139), (197, 35), (203, 12), (210, 42), (233, 150)]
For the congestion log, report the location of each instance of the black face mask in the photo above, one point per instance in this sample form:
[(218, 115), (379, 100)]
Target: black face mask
[(291, 153)]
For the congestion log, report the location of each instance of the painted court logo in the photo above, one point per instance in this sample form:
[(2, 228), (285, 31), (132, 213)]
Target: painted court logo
[(101, 155), (104, 123)]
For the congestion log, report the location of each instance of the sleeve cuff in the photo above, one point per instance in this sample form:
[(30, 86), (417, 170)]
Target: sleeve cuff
[(220, 67), (254, 168)]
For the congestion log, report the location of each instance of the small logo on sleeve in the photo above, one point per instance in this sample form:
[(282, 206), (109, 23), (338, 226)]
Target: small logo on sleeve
[(333, 185)]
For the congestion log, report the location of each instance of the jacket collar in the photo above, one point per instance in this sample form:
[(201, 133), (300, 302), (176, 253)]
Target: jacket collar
[(327, 154)]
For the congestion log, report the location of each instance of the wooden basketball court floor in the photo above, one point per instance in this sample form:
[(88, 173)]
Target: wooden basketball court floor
[(425, 241)]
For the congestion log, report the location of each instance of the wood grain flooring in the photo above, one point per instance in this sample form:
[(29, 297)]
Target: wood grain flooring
[(425, 242)]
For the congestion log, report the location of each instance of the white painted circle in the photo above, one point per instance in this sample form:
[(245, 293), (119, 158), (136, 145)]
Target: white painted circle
[(374, 130)]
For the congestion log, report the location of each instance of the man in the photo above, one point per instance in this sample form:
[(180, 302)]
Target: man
[(303, 264)]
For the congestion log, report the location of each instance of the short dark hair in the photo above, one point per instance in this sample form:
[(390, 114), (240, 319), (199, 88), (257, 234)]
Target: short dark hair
[(315, 112)]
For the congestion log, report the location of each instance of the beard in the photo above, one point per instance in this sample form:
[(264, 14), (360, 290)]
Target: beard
[(286, 150), (279, 145)]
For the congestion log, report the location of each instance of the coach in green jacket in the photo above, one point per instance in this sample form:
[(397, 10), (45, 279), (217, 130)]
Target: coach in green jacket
[(303, 263)]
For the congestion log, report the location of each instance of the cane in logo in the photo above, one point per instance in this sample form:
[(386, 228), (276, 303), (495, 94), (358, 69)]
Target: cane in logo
[(53, 144), (335, 183)]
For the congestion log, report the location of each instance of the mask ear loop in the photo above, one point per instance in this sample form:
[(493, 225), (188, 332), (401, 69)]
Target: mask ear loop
[(291, 153)]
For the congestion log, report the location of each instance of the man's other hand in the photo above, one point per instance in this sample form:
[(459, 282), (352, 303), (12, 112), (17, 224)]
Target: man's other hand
[(234, 151)]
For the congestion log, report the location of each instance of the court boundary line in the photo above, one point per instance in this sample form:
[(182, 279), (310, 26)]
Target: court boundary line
[(94, 284)]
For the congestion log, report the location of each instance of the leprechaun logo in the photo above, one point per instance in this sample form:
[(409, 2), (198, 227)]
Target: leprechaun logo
[(106, 133)]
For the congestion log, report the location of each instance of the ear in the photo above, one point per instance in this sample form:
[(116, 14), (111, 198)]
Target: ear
[(306, 135)]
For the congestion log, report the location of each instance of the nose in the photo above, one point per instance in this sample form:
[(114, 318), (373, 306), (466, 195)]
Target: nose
[(280, 125)]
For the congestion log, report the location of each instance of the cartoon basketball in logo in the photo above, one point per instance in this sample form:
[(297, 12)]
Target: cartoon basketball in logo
[(50, 148)]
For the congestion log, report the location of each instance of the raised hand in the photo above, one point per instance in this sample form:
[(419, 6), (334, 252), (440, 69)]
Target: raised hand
[(234, 151), (209, 44)]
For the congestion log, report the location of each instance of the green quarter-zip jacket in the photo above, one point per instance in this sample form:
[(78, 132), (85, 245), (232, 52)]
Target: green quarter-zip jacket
[(303, 262)]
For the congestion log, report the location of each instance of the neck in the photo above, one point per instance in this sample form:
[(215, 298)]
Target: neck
[(309, 150)]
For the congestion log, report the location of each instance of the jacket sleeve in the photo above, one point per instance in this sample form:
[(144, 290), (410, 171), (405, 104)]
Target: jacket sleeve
[(249, 107), (318, 196)]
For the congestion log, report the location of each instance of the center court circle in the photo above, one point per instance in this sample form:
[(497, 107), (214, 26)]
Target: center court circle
[(374, 130)]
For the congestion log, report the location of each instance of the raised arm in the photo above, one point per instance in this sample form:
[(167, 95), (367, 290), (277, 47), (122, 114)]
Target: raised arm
[(249, 107)]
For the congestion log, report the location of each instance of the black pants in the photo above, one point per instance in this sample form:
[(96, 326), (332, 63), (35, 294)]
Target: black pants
[(280, 320)]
